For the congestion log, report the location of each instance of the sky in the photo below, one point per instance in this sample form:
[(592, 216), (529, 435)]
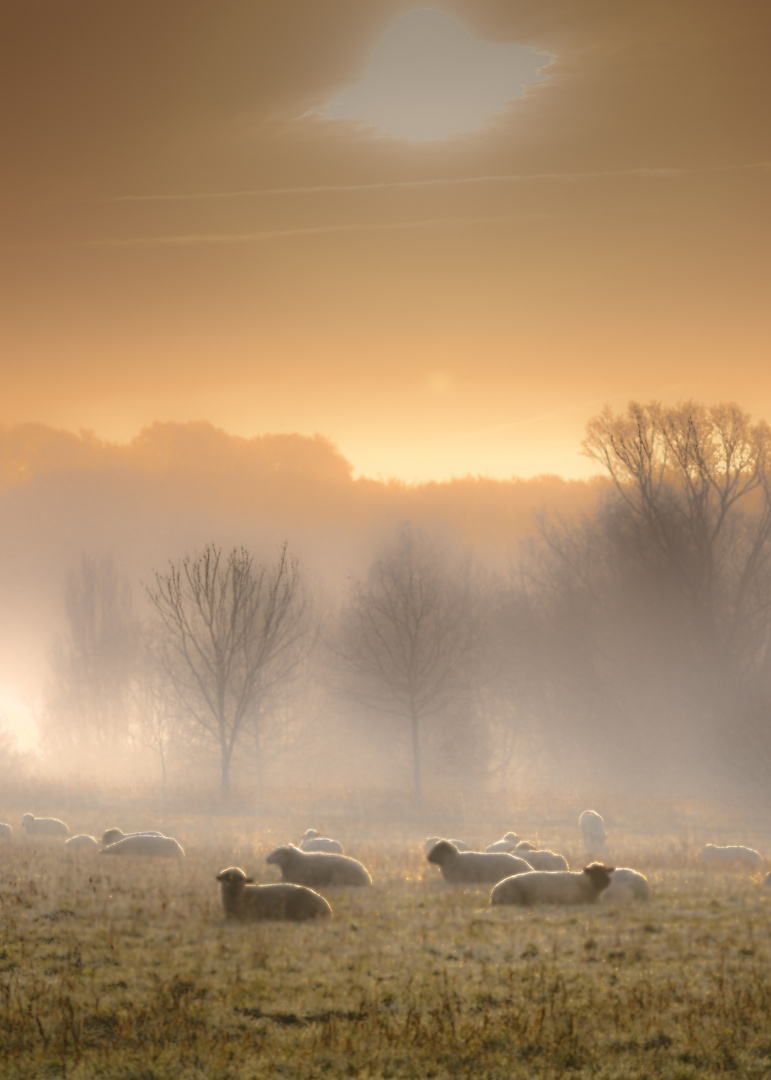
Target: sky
[(441, 236)]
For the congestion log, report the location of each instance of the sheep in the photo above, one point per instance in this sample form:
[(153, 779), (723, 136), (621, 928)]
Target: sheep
[(44, 826), (593, 830), (626, 884), (146, 845), (111, 836), (80, 842), (735, 854), (6, 832), (553, 886), (474, 867), (767, 881), (318, 867), (242, 899), (524, 846), (430, 844), (507, 843), (545, 860), (311, 841)]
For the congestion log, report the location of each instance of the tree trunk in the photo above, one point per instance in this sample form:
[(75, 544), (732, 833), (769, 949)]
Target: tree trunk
[(416, 774), (225, 775)]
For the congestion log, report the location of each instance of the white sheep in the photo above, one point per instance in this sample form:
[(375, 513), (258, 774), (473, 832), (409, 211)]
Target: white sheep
[(242, 899), (146, 845), (524, 846), (430, 844), (545, 860), (111, 836), (311, 841), (626, 884), (731, 855), (507, 843), (318, 867), (44, 826), (593, 830), (474, 867), (6, 832), (553, 886), (81, 842)]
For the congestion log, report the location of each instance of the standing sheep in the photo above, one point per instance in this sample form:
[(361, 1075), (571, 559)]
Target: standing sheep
[(626, 884), (593, 830), (553, 886), (311, 841), (318, 867), (474, 867), (44, 826), (731, 855), (242, 899), (146, 845)]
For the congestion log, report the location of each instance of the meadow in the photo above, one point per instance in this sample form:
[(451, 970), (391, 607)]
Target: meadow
[(128, 969)]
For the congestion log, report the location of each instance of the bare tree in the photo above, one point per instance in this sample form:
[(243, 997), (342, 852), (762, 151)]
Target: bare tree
[(92, 663), (231, 629), (408, 634)]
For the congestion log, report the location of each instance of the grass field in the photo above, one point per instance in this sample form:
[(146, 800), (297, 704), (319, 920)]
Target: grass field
[(128, 969)]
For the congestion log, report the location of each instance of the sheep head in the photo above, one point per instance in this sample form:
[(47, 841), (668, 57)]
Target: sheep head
[(599, 875), (234, 875), (441, 851)]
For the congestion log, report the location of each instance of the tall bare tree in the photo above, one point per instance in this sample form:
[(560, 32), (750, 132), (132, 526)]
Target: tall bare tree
[(230, 629), (408, 634)]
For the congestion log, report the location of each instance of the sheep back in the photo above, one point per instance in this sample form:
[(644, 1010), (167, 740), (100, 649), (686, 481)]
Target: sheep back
[(146, 846), (242, 899), (322, 843), (626, 884), (474, 867), (318, 867), (545, 860), (44, 826), (111, 836), (553, 886), (80, 842), (736, 854)]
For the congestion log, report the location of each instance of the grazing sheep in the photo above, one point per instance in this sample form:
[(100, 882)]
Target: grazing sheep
[(432, 841), (553, 886), (242, 899), (626, 884), (311, 841), (731, 854), (545, 860), (146, 845), (474, 867), (318, 867), (44, 826), (111, 836), (507, 843), (6, 832), (81, 841), (593, 830)]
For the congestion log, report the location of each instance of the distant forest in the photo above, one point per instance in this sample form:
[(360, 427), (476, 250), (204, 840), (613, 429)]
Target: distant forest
[(244, 608)]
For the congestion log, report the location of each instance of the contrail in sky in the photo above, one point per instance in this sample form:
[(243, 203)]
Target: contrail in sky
[(664, 172)]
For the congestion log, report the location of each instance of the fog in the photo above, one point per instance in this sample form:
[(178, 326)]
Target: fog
[(424, 646)]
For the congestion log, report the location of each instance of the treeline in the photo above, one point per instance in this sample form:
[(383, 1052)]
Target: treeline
[(623, 648)]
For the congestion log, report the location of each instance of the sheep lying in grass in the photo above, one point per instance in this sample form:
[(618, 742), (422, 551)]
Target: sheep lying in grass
[(545, 860), (474, 867), (524, 846), (553, 886), (242, 899), (731, 855), (311, 841), (507, 843), (81, 842), (146, 845), (593, 830), (626, 884), (44, 826), (6, 832), (111, 836), (430, 844), (318, 867)]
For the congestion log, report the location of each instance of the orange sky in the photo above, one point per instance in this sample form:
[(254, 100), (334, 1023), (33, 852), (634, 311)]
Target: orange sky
[(609, 238)]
